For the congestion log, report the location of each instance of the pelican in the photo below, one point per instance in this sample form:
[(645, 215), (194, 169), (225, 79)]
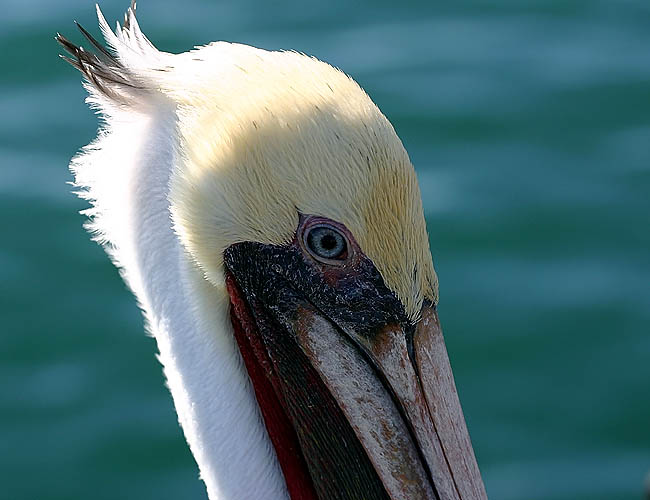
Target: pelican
[(268, 220)]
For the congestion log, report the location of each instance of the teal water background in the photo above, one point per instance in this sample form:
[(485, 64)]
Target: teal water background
[(529, 126)]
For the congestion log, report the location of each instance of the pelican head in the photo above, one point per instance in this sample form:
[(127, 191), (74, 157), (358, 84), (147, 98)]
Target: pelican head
[(268, 219)]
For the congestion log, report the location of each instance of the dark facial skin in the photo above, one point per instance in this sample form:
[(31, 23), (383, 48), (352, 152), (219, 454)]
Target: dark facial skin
[(344, 291)]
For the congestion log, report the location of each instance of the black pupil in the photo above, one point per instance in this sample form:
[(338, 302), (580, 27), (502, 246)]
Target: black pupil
[(326, 242)]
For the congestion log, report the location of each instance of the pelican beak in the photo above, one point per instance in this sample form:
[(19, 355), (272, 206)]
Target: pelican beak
[(359, 401)]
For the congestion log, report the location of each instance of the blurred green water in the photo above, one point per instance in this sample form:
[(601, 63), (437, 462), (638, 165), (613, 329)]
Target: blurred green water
[(529, 125)]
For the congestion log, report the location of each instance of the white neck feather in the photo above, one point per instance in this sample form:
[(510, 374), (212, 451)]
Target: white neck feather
[(126, 175)]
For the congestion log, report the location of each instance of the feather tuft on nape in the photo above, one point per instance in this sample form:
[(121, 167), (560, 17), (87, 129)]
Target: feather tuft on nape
[(112, 70)]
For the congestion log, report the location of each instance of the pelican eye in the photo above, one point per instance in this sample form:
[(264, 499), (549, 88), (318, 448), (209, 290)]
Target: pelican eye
[(326, 243)]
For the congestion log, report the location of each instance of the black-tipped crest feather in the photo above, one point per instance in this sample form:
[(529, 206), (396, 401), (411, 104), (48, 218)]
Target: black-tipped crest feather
[(102, 69)]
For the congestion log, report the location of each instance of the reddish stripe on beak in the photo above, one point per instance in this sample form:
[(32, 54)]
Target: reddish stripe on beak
[(281, 432)]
